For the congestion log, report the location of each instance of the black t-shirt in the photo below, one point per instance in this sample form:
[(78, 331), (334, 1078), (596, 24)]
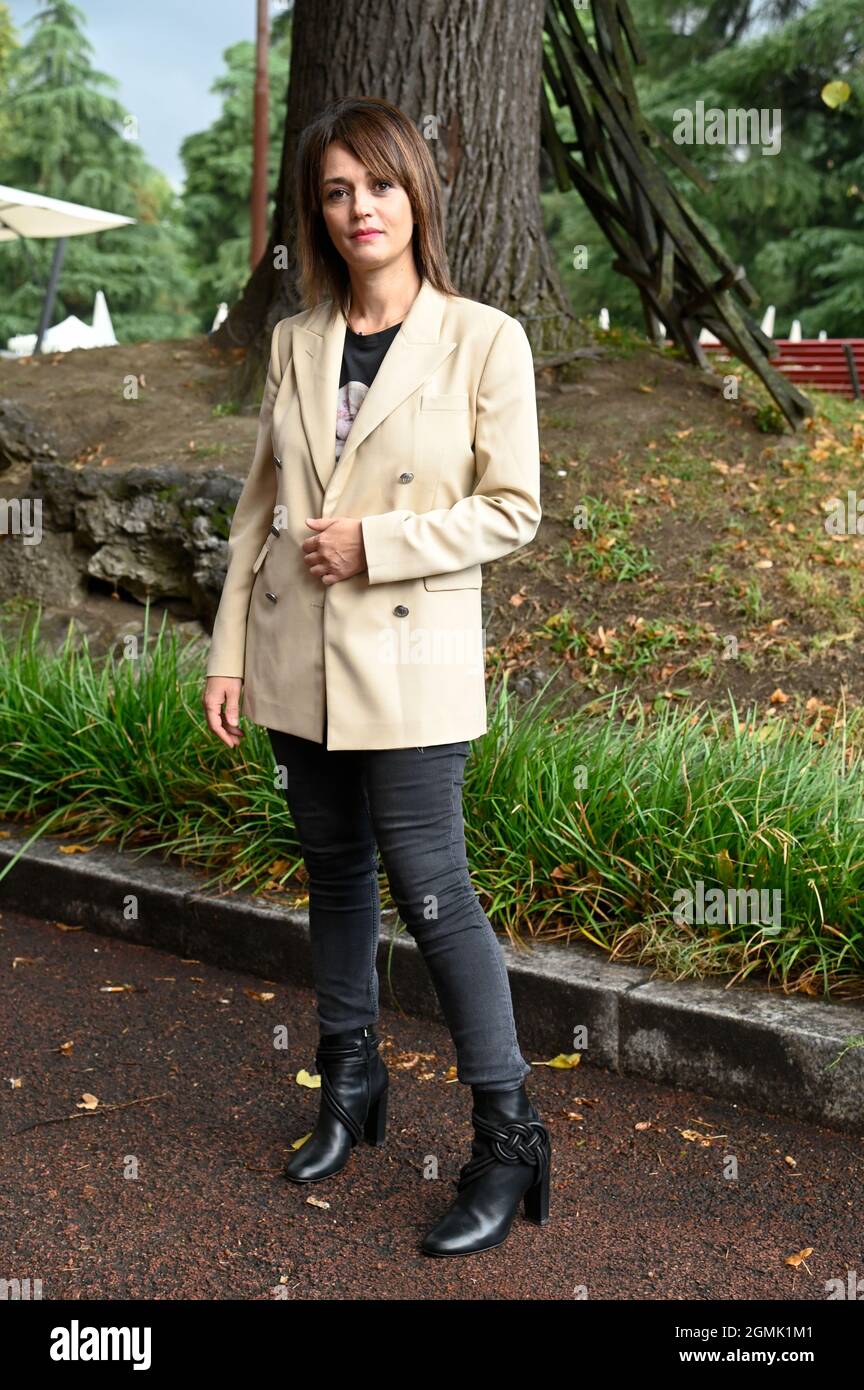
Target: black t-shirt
[(361, 358)]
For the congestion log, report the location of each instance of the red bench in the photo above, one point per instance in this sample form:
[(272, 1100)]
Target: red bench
[(831, 364)]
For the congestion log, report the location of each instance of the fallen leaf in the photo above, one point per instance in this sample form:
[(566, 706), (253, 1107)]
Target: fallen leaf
[(317, 1202), (693, 1136), (564, 1060), (304, 1078), (796, 1260), (75, 849), (87, 1102)]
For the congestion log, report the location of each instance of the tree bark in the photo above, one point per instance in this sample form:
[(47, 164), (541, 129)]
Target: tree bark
[(468, 72)]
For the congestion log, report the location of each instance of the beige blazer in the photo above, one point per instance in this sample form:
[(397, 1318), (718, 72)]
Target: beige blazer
[(442, 463)]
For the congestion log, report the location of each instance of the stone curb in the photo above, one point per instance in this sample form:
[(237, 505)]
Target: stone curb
[(750, 1046)]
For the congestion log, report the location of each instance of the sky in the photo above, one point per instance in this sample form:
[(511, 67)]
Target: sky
[(165, 55)]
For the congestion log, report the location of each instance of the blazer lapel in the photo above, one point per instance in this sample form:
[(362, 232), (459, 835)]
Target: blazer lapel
[(413, 356)]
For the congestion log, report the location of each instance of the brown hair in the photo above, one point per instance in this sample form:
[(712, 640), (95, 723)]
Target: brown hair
[(390, 146)]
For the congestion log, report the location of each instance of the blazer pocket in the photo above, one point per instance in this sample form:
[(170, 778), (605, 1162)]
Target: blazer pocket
[(459, 401), (470, 578)]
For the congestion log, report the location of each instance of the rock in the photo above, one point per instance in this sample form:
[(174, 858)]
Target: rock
[(23, 439), (156, 532)]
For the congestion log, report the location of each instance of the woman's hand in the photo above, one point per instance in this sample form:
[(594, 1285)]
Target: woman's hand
[(338, 551), (219, 690)]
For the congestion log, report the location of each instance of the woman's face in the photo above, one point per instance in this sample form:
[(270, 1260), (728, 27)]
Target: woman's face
[(353, 200)]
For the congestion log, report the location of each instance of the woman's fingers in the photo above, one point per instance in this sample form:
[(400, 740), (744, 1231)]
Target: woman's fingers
[(219, 691)]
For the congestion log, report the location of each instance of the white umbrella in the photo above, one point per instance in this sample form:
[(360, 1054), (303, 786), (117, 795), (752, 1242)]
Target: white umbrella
[(24, 215)]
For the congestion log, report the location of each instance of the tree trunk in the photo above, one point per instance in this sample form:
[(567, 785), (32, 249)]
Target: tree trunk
[(468, 73)]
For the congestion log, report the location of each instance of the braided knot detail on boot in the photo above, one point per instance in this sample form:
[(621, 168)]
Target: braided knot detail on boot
[(516, 1142)]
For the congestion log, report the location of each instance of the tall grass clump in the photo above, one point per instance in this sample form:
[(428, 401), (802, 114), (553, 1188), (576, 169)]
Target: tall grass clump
[(589, 824), (580, 825)]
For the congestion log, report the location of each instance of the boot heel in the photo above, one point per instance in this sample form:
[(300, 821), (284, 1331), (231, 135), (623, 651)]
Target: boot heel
[(536, 1201), (376, 1120)]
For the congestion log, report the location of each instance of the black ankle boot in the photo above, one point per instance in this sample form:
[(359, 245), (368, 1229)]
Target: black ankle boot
[(354, 1083), (510, 1161)]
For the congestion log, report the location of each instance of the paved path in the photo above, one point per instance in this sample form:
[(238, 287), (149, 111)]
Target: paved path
[(637, 1213)]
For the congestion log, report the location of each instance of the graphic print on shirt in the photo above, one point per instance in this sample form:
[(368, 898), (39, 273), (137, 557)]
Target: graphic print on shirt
[(362, 356), (347, 404)]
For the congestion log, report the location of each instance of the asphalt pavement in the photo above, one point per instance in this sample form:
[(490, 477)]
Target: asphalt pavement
[(171, 1187)]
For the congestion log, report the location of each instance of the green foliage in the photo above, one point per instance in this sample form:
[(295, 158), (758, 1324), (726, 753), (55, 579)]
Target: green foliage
[(795, 219), (8, 45), (768, 419), (218, 163), (63, 133), (69, 138)]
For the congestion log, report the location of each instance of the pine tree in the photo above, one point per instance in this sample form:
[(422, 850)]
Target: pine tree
[(795, 219), (788, 216), (71, 139), (218, 165)]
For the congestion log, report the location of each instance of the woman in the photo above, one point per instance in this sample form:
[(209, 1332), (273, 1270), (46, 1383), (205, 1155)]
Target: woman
[(399, 427)]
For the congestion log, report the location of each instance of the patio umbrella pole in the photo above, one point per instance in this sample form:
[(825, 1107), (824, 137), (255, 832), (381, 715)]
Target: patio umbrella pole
[(51, 292)]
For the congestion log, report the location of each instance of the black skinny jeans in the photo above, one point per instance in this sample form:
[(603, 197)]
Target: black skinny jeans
[(347, 804)]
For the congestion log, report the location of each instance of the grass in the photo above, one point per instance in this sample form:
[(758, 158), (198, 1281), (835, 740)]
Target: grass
[(579, 826), (606, 550)]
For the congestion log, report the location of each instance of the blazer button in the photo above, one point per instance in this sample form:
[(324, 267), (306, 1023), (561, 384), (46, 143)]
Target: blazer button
[(275, 529), (400, 610), (278, 462), (272, 597), (406, 477)]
